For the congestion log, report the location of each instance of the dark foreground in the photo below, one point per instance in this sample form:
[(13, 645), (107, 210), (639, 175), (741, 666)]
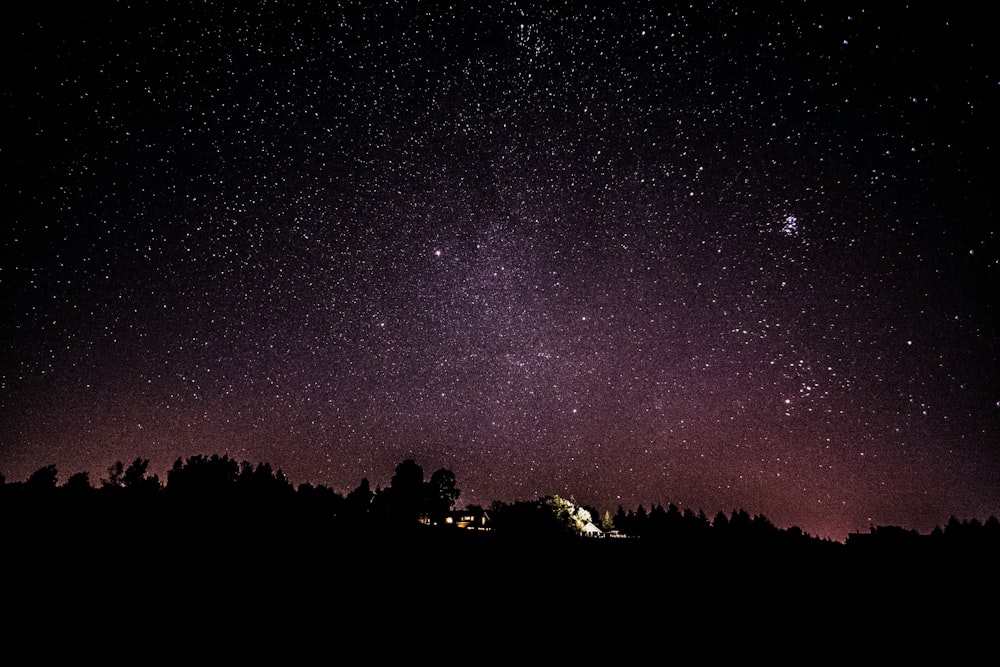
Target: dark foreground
[(422, 595)]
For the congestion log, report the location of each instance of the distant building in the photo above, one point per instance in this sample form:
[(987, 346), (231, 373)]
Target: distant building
[(590, 530), (467, 519)]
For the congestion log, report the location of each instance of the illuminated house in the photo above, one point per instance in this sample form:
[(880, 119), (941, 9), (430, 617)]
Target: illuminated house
[(468, 519)]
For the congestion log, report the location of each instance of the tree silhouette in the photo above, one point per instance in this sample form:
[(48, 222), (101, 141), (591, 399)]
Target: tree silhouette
[(441, 494), (739, 523), (658, 523), (42, 480), (358, 502), (78, 483), (114, 479), (546, 517), (261, 482), (136, 480), (621, 520), (318, 504), (402, 503), (203, 476)]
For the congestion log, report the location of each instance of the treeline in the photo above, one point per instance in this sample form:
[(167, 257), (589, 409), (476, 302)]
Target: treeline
[(219, 497), (969, 537)]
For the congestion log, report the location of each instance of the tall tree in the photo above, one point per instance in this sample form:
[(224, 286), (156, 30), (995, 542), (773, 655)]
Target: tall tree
[(359, 500), (406, 493), (621, 520), (441, 493)]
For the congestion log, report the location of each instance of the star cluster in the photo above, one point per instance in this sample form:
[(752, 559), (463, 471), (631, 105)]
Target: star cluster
[(720, 255)]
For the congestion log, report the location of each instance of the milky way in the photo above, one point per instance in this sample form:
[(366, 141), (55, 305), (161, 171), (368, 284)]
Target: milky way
[(721, 255)]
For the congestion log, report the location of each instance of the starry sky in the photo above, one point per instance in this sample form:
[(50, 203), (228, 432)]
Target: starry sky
[(720, 254)]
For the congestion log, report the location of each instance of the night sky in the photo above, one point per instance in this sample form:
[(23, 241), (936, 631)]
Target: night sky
[(725, 255)]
